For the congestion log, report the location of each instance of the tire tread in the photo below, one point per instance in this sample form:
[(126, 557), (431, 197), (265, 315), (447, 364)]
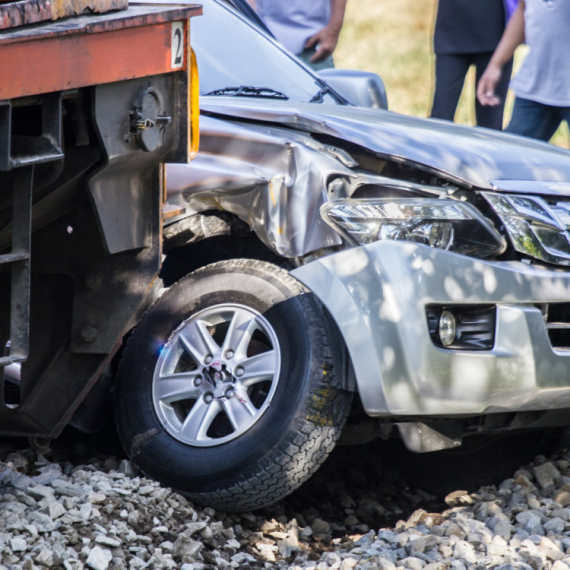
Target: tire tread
[(315, 430)]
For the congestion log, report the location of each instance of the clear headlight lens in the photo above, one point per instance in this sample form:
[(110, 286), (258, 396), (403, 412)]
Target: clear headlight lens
[(445, 224), (535, 228)]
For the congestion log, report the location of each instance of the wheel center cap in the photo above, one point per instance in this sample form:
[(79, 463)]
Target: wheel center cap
[(217, 376)]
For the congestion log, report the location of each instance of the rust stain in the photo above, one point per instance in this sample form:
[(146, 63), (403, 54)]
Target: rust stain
[(129, 18), (64, 8), (22, 12), (15, 14)]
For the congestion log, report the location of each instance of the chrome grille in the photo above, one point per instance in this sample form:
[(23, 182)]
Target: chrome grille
[(557, 320), (537, 226)]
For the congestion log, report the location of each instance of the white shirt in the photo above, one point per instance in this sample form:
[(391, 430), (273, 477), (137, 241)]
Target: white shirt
[(544, 76), (293, 22)]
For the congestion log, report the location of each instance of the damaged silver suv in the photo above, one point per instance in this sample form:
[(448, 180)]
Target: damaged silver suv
[(326, 260)]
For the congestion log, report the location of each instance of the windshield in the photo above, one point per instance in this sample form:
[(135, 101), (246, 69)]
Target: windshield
[(233, 53)]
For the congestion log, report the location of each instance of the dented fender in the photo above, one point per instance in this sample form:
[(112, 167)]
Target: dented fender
[(271, 178)]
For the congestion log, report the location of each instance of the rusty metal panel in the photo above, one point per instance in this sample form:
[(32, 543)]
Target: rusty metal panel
[(92, 50), (135, 16), (64, 8), (84, 59), (15, 14), (22, 12)]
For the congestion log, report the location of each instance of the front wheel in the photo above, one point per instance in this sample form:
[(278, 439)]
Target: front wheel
[(226, 389)]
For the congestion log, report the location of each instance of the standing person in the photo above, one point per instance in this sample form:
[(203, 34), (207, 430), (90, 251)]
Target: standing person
[(308, 28), (467, 33), (542, 86)]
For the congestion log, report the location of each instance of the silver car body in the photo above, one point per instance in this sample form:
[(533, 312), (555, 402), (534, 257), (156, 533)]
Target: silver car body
[(273, 164)]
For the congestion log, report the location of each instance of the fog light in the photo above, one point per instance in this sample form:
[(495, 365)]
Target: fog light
[(446, 328), (462, 327)]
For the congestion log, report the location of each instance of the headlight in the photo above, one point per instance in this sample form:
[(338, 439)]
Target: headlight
[(535, 228), (445, 224)]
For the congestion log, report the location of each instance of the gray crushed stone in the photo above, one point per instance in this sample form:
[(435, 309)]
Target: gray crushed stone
[(100, 514)]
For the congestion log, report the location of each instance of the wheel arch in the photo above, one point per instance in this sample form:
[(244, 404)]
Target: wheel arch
[(229, 238), (210, 237)]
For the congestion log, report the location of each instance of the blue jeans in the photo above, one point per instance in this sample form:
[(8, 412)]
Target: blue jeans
[(536, 120)]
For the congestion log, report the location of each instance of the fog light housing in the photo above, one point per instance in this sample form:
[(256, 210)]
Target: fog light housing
[(446, 328), (462, 327)]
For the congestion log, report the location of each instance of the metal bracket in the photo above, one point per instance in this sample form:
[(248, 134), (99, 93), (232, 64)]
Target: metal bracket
[(17, 348), (422, 438), (145, 118)]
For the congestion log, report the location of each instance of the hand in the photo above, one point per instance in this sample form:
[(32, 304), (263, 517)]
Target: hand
[(487, 84), (327, 38)]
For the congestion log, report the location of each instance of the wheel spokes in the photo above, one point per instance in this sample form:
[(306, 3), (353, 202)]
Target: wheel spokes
[(175, 387), (199, 420), (258, 368), (240, 411), (238, 336), (207, 390), (197, 341)]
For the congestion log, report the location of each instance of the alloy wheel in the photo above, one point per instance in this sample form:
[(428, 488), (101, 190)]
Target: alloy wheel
[(216, 375)]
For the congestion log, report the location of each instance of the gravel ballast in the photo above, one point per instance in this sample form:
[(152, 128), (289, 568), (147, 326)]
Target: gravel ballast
[(99, 514)]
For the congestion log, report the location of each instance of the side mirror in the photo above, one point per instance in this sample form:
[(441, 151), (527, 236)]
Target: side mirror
[(361, 88)]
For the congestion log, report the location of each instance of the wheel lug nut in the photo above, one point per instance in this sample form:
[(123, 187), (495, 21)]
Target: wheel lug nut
[(198, 381), (239, 371), (208, 398), (229, 353), (230, 393), (208, 359)]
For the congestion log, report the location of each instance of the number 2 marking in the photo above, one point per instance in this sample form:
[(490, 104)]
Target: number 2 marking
[(177, 45)]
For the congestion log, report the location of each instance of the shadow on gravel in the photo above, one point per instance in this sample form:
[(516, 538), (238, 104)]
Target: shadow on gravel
[(359, 489)]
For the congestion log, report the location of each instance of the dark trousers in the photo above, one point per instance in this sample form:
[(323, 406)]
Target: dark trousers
[(450, 72), (536, 120)]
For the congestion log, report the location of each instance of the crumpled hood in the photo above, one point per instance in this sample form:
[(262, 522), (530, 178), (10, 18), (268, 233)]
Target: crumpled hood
[(479, 157)]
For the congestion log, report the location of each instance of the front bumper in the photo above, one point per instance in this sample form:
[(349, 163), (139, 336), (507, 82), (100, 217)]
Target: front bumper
[(378, 293)]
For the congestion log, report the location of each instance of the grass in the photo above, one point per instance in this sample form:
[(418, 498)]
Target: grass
[(393, 38)]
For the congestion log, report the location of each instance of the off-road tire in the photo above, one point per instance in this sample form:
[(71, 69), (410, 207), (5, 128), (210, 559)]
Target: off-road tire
[(293, 436)]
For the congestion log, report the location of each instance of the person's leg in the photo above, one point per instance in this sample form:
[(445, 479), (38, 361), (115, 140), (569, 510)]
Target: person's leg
[(534, 120), (307, 54), (450, 71), (492, 117)]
